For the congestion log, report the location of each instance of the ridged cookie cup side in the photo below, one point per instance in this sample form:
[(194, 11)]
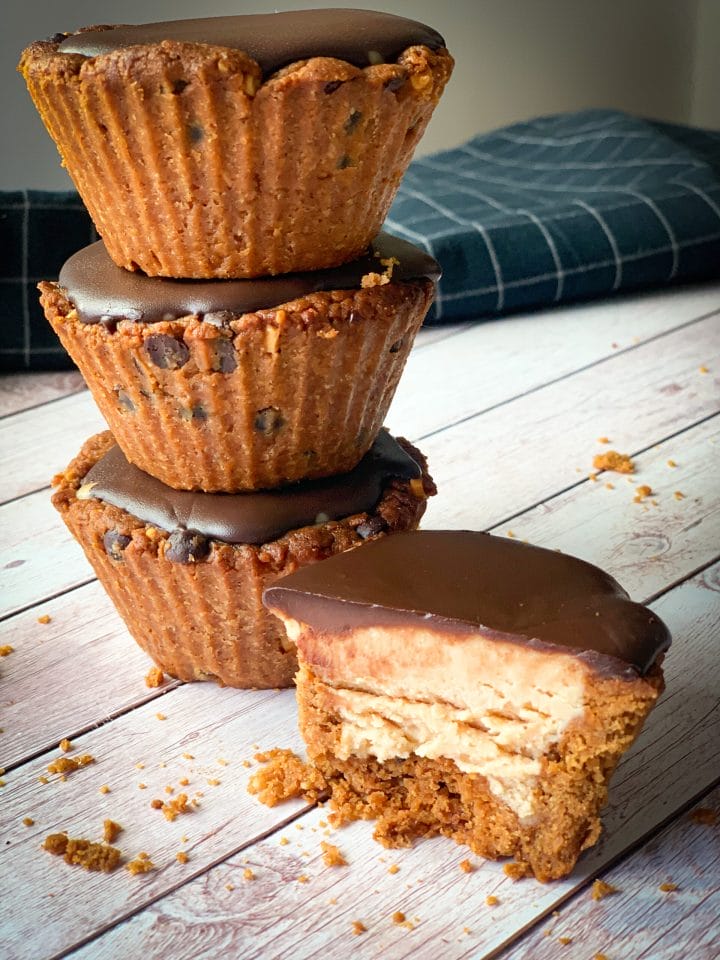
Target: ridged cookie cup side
[(191, 166), (271, 397), (203, 619)]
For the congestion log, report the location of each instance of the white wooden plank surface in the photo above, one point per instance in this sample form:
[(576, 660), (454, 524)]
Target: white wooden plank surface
[(676, 757), (97, 671), (640, 398), (38, 557), (634, 923), (34, 442), (492, 361), (18, 391), (201, 719), (528, 449)]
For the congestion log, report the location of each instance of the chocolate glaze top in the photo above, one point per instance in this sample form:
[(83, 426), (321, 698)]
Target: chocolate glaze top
[(250, 517), (463, 582), (100, 291), (274, 40)]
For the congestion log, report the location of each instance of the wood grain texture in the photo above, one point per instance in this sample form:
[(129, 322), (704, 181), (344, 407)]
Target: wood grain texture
[(201, 720), (94, 667), (18, 391), (503, 461), (35, 442), (676, 757), (38, 557), (642, 921), (527, 458), (493, 361)]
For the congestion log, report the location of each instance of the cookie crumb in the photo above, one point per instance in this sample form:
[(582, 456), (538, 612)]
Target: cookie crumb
[(516, 870), (492, 901), (612, 460), (154, 677), (141, 864), (188, 756), (229, 886), (104, 789), (303, 878), (45, 618), (248, 874), (393, 868), (214, 782), (332, 857), (65, 745), (284, 775), (398, 917), (668, 887), (6, 649), (68, 764), (111, 831), (142, 786), (601, 956), (160, 716), (283, 841), (703, 369), (604, 440), (466, 866), (173, 808), (678, 495), (181, 856), (358, 927), (564, 940), (641, 493), (600, 890), (671, 463), (83, 853), (28, 821)]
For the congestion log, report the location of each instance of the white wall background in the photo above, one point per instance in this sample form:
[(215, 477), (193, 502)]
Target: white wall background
[(515, 59)]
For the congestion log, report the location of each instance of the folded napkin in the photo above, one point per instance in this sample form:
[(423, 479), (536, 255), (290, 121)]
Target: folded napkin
[(564, 208), (556, 209)]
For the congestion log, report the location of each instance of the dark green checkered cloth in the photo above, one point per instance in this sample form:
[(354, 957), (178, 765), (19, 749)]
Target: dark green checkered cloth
[(557, 209)]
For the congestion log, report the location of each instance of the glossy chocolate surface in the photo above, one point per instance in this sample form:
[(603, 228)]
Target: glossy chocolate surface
[(274, 40), (101, 291), (250, 517), (463, 582)]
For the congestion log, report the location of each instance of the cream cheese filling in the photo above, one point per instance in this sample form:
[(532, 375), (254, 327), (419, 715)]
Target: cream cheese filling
[(507, 750)]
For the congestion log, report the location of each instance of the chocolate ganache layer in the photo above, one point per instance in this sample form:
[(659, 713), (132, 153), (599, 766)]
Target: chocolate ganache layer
[(100, 291), (273, 40), (250, 517), (463, 582)]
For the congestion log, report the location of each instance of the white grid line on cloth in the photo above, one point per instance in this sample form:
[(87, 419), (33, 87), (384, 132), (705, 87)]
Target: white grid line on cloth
[(579, 165), (566, 214), (583, 268), (25, 252), (553, 250), (610, 238), (702, 194), (666, 224), (500, 285), (516, 184), (491, 249)]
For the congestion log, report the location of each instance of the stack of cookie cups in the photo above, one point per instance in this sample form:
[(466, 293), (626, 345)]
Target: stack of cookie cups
[(242, 325)]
